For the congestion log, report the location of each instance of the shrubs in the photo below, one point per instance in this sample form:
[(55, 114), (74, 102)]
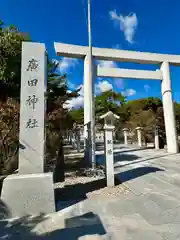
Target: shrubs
[(9, 136)]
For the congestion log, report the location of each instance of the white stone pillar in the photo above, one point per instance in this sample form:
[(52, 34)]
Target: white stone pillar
[(109, 156), (31, 186), (89, 130), (139, 135), (32, 109), (168, 107), (125, 131), (156, 139)]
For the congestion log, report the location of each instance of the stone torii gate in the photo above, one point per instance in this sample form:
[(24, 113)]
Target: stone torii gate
[(163, 74)]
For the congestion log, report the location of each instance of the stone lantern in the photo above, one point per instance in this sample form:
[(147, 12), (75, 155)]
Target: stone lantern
[(156, 138), (139, 135), (109, 122), (125, 131)]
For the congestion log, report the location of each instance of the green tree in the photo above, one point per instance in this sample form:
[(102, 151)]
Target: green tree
[(108, 101), (9, 136), (10, 69), (146, 113), (177, 114), (57, 94), (58, 118), (10, 60), (77, 115)]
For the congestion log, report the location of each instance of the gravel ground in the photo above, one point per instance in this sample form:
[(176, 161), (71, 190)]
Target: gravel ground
[(90, 187)]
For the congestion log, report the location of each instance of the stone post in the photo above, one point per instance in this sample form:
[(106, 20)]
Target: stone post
[(32, 109), (31, 192), (78, 138), (125, 131), (139, 136), (109, 155), (168, 107), (109, 119), (156, 138)]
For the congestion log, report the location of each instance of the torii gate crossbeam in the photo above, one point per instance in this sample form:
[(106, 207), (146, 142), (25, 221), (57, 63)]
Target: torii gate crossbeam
[(164, 60)]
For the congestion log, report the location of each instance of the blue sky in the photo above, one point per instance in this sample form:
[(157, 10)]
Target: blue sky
[(150, 26)]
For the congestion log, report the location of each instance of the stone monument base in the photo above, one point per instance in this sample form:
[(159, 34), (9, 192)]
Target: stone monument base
[(30, 194)]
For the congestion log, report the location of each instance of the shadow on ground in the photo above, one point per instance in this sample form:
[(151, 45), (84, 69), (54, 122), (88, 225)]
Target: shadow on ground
[(136, 172), (72, 228), (119, 157), (72, 194)]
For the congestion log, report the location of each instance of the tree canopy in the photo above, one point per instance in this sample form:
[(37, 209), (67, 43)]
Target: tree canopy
[(10, 60), (57, 118), (146, 113)]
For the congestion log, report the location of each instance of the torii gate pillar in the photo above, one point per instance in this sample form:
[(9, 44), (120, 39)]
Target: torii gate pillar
[(168, 107), (89, 113)]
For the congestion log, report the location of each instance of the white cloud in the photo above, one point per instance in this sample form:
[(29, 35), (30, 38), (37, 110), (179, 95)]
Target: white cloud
[(108, 64), (129, 92), (76, 102), (66, 63), (147, 88), (118, 82), (128, 24), (103, 86), (69, 91)]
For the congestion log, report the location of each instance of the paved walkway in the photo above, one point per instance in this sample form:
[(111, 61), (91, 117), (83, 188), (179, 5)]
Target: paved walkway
[(151, 210), (154, 209)]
